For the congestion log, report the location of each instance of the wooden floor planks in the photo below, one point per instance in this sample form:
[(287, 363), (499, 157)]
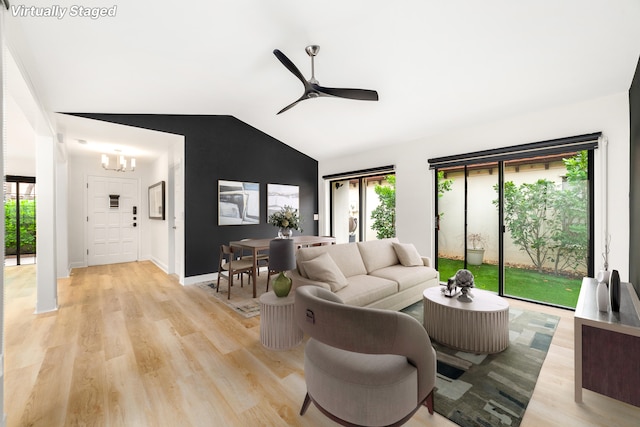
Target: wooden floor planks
[(129, 346)]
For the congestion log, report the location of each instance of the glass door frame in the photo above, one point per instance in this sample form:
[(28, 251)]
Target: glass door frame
[(18, 180), (587, 143), (361, 176)]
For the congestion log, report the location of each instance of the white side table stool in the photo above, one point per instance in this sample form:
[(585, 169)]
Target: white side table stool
[(278, 328)]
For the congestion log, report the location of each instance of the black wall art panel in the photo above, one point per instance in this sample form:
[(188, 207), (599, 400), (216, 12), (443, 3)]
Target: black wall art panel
[(225, 148)]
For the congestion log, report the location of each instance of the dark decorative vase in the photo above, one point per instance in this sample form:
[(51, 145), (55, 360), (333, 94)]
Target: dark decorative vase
[(614, 290), (282, 285)]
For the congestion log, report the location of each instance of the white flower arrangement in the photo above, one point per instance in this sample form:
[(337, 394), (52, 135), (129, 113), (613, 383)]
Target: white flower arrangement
[(287, 218)]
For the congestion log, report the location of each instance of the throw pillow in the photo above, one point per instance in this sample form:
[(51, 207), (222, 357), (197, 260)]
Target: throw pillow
[(324, 269), (408, 254)]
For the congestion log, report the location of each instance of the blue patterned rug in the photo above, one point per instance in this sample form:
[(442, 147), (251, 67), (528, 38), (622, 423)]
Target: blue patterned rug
[(480, 390)]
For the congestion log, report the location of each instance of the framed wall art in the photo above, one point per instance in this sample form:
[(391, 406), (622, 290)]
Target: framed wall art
[(156, 201), (238, 203), (280, 195)]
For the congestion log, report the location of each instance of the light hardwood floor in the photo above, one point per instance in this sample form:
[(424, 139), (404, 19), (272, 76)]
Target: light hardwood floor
[(129, 346)]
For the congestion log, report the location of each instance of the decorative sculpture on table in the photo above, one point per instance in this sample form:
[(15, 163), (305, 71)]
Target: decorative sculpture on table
[(603, 289), (451, 289), (614, 290), (464, 280)]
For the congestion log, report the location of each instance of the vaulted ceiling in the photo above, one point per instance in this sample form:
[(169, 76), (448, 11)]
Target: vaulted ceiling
[(437, 65)]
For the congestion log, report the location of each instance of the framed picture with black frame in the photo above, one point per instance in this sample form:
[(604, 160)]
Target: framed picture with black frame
[(156, 201)]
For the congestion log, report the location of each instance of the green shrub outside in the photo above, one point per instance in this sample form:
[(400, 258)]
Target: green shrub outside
[(27, 227)]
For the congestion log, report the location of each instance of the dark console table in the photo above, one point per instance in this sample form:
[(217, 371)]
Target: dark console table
[(607, 345)]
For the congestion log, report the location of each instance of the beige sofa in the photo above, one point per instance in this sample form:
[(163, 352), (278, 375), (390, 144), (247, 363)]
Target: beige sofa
[(377, 274)]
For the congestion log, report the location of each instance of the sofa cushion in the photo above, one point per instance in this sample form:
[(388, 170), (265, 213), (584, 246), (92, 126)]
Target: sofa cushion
[(377, 254), (363, 290), (346, 256), (406, 277), (324, 269), (408, 254)]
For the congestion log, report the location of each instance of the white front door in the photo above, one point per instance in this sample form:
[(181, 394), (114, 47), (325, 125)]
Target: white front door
[(112, 235)]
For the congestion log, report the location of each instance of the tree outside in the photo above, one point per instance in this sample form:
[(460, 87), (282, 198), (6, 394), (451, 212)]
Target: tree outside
[(549, 221), (27, 227), (384, 215)]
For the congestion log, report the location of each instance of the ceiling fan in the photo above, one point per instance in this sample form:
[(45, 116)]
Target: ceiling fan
[(312, 88)]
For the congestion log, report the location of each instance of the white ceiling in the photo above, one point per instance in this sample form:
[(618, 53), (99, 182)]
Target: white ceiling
[(437, 65)]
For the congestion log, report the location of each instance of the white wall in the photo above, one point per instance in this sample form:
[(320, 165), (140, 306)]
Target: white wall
[(3, 136), (62, 208), (21, 167), (46, 247), (414, 181), (153, 235), (156, 244)]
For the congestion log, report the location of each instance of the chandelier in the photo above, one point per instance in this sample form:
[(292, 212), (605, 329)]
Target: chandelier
[(121, 166)]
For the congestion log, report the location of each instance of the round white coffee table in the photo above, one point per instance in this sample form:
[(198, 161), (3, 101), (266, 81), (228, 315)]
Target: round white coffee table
[(278, 328), (479, 326)]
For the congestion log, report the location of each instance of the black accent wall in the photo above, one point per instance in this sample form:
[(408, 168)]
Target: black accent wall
[(223, 147), (634, 175)]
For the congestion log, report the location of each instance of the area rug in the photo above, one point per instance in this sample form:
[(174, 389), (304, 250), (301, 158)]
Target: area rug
[(492, 390), (241, 301)]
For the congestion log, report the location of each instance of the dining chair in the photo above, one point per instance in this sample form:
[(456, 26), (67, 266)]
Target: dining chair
[(230, 264), (262, 259)]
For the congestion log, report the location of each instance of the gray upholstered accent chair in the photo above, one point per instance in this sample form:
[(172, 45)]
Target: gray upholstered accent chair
[(363, 366)]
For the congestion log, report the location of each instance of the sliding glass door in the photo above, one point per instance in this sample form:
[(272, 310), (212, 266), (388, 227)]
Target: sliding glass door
[(482, 236), (345, 210), (546, 207), (363, 208), (468, 223), (523, 223), (20, 220)]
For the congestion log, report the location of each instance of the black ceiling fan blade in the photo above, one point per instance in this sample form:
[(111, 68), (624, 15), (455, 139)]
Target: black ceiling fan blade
[(290, 66), (302, 98), (359, 94)]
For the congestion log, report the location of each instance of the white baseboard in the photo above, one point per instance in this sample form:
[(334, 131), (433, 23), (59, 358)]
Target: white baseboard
[(194, 280), (78, 264), (162, 266)]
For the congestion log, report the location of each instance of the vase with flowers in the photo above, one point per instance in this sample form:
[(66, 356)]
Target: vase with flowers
[(286, 219)]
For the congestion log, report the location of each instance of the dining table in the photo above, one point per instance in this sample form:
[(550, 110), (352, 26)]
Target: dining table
[(261, 245)]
